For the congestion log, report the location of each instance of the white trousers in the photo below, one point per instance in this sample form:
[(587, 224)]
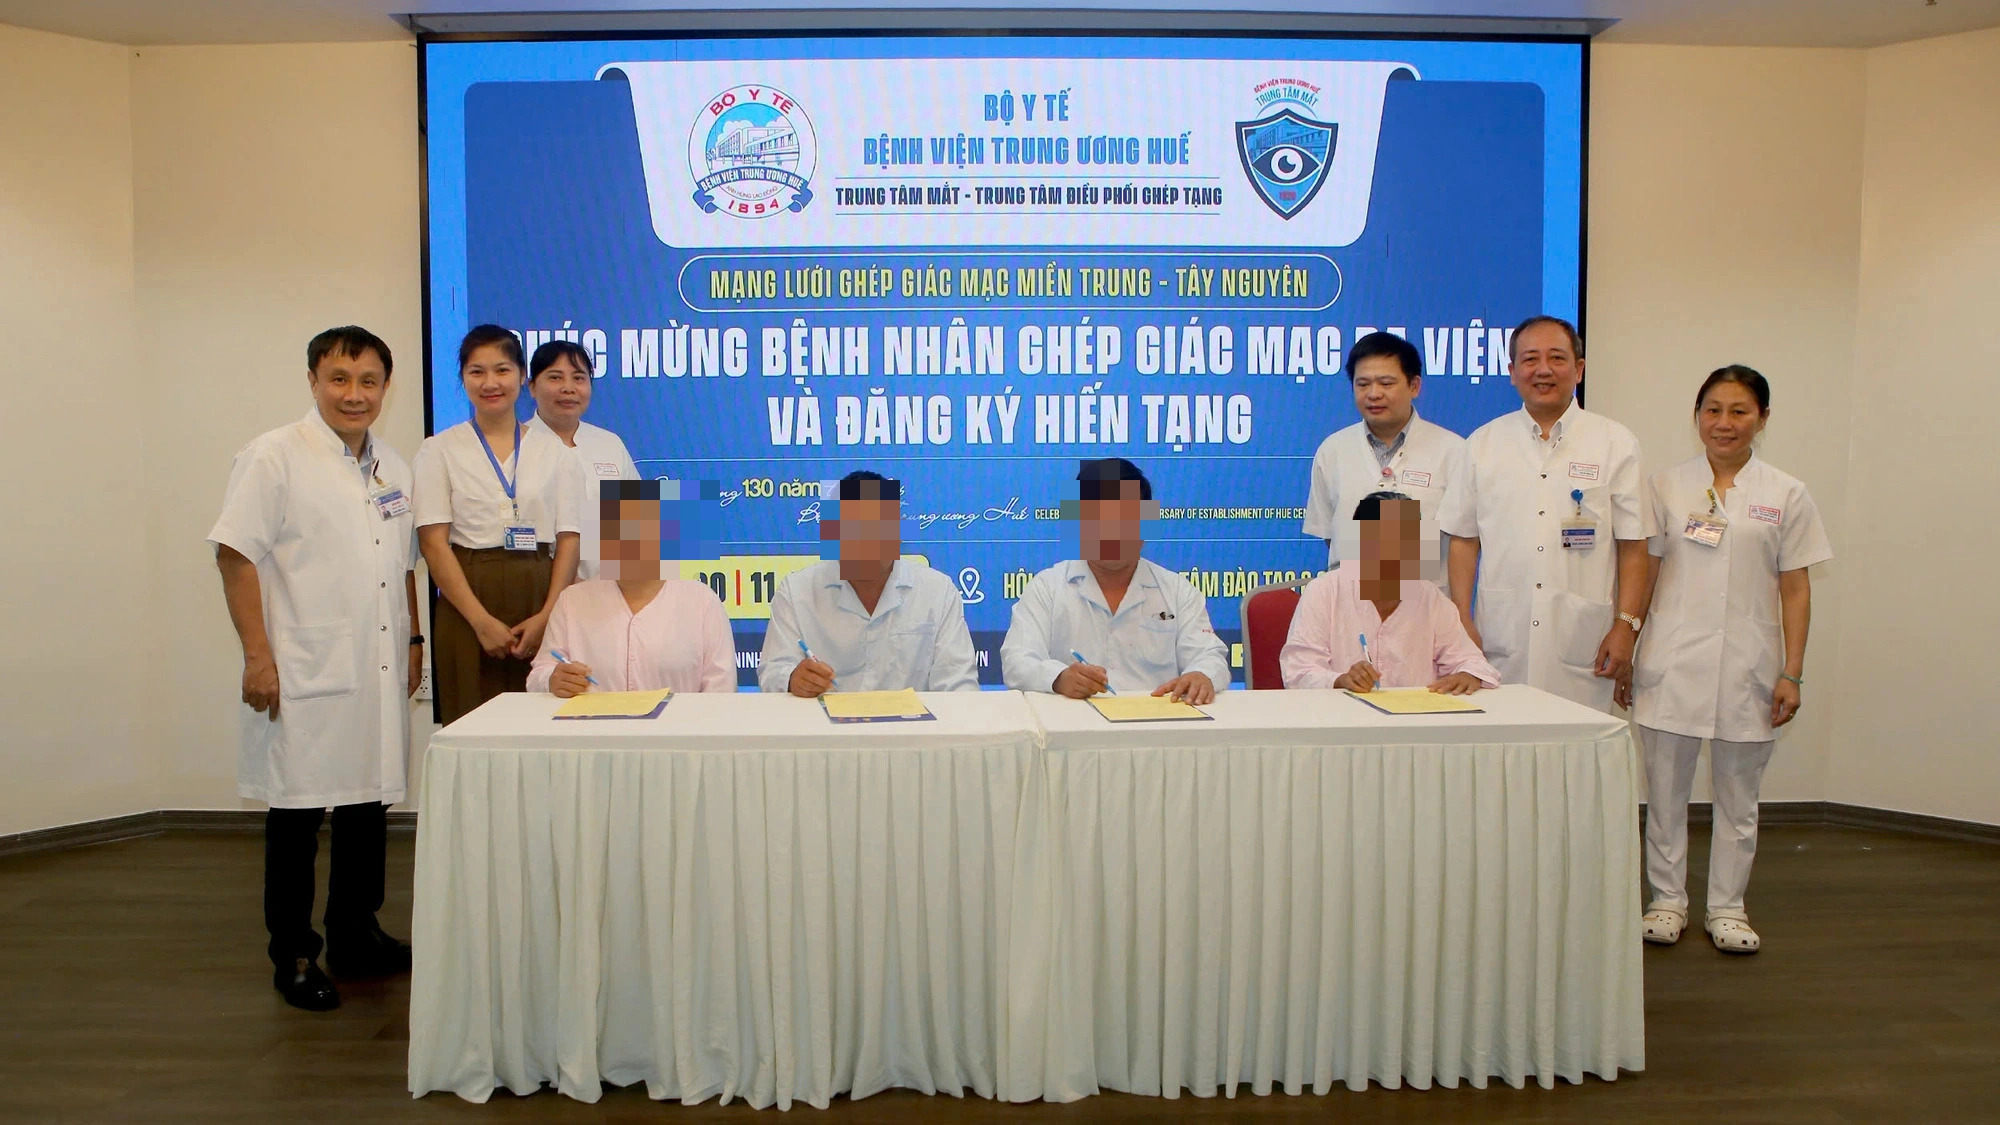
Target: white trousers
[(1735, 771)]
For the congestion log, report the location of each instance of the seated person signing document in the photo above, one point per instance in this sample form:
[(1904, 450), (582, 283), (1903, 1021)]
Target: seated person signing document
[(1414, 635), (1112, 620), (865, 618), (635, 629)]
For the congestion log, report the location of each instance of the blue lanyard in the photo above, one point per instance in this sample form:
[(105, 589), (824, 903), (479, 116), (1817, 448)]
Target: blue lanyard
[(506, 485)]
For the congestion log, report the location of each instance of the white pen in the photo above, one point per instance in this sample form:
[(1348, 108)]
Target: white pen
[(1364, 651)]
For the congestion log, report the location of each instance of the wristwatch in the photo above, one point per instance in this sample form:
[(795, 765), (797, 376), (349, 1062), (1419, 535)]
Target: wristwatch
[(417, 639), (1634, 622)]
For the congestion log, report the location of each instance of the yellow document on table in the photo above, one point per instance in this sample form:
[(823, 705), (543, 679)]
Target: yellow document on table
[(615, 705), (875, 706), (1145, 709), (1417, 701)]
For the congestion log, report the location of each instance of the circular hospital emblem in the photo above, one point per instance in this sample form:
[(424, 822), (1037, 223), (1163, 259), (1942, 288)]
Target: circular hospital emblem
[(751, 153)]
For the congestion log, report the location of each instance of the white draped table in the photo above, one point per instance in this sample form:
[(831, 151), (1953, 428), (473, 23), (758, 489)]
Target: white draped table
[(1021, 900), (1306, 891), (738, 899)]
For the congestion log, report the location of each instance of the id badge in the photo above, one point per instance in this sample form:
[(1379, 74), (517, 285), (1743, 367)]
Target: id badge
[(521, 539), (391, 503), (1706, 530), (1579, 535)]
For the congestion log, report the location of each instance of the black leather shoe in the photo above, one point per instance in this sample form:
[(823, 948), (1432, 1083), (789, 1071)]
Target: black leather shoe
[(306, 987), (366, 953)]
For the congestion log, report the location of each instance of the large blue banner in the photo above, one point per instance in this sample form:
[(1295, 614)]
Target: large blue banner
[(969, 262)]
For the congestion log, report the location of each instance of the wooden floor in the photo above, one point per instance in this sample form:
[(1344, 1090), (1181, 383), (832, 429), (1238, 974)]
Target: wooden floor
[(133, 987)]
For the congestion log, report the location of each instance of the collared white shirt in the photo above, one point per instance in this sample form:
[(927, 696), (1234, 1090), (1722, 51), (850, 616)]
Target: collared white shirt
[(1160, 632), (600, 455), (916, 638), (1542, 610), (456, 484), (332, 573), (1347, 466), (1714, 643), (679, 640)]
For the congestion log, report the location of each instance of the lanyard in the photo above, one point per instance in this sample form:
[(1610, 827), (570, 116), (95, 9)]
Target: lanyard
[(506, 485)]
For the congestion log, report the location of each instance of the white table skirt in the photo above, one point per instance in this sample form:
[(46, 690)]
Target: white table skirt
[(745, 902), (1307, 892)]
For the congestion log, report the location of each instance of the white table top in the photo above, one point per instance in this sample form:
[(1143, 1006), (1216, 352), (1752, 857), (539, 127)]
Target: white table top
[(972, 720), (1327, 717), (742, 721)]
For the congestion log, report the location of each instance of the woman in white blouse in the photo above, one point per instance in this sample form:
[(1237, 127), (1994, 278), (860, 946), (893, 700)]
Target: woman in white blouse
[(635, 629), (1722, 657), (497, 521)]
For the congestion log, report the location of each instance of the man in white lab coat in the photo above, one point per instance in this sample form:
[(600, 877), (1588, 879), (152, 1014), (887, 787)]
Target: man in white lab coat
[(315, 545), (1554, 528), (560, 379), (1112, 620), (870, 619), (1390, 450)]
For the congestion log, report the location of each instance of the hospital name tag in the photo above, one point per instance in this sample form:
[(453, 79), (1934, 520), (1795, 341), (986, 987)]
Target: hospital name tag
[(1703, 530)]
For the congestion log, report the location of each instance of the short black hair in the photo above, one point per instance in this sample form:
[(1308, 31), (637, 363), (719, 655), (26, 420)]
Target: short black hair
[(1370, 507), (610, 493), (853, 486), (547, 355), (485, 335), (1099, 479), (1737, 373), (1575, 341), (348, 341), (1386, 344)]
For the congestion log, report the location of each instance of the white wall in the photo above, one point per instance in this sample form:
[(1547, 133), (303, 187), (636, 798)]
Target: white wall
[(1919, 554), (225, 203), (73, 675), (1725, 209), (276, 195)]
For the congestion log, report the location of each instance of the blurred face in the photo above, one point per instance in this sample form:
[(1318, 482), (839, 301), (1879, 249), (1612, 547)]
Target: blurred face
[(349, 390), (1392, 546), (492, 380), (1108, 530), (630, 543), (1728, 419), (562, 392), (1382, 393), (1545, 369), (871, 538)]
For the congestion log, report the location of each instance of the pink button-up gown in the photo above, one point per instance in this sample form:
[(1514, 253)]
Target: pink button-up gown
[(1422, 642)]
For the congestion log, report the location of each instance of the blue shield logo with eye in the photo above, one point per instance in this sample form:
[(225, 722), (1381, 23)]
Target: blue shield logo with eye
[(1285, 156)]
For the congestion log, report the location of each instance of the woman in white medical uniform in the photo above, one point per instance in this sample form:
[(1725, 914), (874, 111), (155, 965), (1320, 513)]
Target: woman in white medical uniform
[(1723, 655)]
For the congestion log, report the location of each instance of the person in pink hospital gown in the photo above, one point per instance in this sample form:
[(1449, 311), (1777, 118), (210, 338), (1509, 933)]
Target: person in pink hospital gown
[(632, 629), (1414, 636)]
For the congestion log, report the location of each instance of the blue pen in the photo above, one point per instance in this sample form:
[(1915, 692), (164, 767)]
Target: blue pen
[(561, 659), (1108, 689), (1364, 650), (810, 656)]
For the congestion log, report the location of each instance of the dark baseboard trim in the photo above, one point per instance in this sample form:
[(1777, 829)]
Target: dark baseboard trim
[(1910, 824), (108, 830), (137, 825), (1841, 815)]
